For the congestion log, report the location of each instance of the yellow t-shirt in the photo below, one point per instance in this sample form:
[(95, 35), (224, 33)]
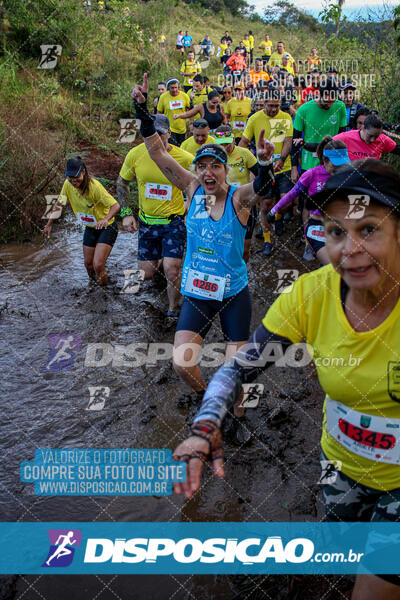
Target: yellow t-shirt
[(222, 48), (276, 129), (152, 183), (191, 146), (288, 68), (276, 59), (267, 47), (240, 161), (247, 45), (251, 40), (364, 377), (174, 105), (190, 67), (91, 208), (238, 111), (199, 97)]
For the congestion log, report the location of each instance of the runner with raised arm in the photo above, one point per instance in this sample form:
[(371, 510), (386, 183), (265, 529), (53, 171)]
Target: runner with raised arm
[(214, 279)]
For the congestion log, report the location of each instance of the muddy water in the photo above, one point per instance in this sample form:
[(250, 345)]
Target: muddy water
[(45, 291)]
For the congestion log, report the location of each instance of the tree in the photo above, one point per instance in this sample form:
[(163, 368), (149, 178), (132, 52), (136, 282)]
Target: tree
[(332, 13), (286, 14)]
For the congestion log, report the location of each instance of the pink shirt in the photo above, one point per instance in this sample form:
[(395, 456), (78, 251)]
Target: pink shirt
[(358, 149)]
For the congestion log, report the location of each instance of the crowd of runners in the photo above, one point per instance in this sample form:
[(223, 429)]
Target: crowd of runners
[(220, 164)]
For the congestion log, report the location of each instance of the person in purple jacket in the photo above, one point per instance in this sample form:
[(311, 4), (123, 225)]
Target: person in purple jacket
[(332, 154)]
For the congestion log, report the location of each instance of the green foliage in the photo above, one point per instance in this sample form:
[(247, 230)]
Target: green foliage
[(286, 14), (332, 13)]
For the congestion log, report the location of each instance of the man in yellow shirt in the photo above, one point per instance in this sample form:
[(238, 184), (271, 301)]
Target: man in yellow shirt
[(286, 64), (199, 92), (276, 57), (237, 111), (189, 69), (201, 135), (162, 231), (266, 47), (278, 128), (171, 103)]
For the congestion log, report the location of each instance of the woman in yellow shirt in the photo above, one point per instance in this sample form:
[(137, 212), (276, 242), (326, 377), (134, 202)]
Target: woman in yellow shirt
[(348, 315), (94, 208)]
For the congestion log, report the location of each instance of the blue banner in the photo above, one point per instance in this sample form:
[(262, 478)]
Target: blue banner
[(200, 548)]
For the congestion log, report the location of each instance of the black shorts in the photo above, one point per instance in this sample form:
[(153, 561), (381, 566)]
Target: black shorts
[(177, 138), (281, 186), (92, 236), (178, 47), (234, 314), (315, 234), (251, 223)]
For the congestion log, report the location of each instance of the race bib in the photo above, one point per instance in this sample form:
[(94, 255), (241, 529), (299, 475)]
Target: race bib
[(236, 72), (372, 437), (158, 191), (239, 124), (84, 219), (316, 232), (190, 81), (175, 104), (204, 285)]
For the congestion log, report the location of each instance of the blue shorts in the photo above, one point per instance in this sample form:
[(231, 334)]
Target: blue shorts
[(159, 241), (93, 236), (234, 315)]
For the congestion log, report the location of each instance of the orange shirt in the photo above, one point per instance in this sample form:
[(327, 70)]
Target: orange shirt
[(236, 63), (256, 76), (312, 62)]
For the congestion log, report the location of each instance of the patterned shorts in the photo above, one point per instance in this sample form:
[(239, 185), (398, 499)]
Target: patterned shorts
[(159, 241)]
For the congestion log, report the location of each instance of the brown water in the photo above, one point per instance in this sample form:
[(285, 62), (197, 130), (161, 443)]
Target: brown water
[(45, 290)]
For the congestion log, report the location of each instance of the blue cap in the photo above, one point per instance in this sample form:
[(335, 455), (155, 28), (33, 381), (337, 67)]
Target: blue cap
[(211, 150), (337, 156)]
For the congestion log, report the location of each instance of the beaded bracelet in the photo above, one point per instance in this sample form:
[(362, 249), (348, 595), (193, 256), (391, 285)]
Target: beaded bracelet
[(125, 212)]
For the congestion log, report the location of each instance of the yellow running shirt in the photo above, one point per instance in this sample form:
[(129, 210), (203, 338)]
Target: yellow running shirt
[(358, 371), (191, 146), (251, 40), (190, 67), (238, 111), (91, 208), (267, 47), (276, 129), (276, 59), (199, 97), (240, 161), (174, 105), (247, 45), (157, 196)]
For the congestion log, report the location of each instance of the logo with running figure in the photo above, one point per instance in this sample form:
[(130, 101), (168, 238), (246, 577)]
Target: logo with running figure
[(394, 380), (358, 204), (62, 547), (286, 279), (129, 131), (62, 353), (50, 54), (329, 471)]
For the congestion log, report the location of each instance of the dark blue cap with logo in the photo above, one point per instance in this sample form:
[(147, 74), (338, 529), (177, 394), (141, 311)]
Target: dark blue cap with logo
[(74, 167)]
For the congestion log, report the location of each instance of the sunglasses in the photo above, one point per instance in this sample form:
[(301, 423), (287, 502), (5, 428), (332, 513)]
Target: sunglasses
[(221, 134)]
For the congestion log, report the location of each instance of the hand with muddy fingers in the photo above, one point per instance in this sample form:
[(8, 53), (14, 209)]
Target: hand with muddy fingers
[(265, 148), (130, 224), (47, 230), (139, 91), (205, 443)]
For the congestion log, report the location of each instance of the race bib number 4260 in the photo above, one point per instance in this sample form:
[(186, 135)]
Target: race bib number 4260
[(376, 438), (158, 191)]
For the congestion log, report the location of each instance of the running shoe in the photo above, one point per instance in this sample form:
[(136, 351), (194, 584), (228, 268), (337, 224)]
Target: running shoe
[(267, 248), (173, 314)]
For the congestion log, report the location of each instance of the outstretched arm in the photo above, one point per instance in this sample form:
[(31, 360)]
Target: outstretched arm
[(253, 192), (176, 174), (191, 113)]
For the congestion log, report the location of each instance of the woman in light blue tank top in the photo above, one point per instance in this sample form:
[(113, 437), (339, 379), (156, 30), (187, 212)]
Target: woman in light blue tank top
[(214, 278)]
